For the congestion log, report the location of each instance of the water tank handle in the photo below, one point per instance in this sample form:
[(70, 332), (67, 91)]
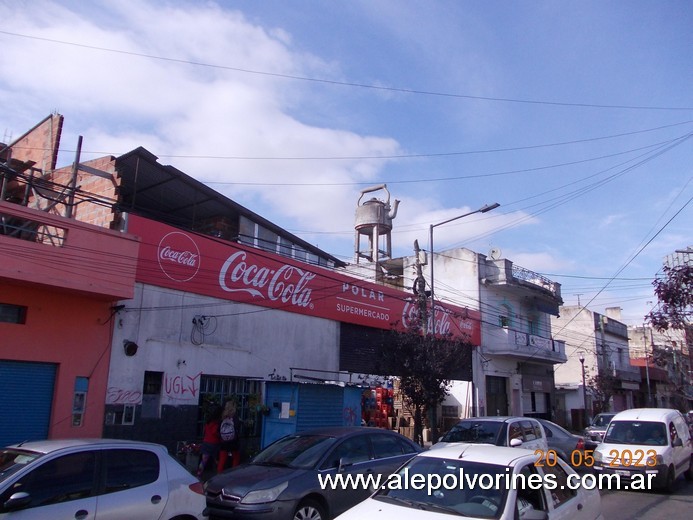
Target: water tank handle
[(375, 188)]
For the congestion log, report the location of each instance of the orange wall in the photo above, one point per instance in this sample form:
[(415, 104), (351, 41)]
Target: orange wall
[(72, 331)]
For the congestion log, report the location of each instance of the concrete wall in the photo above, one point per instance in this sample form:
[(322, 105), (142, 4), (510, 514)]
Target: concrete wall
[(240, 340)]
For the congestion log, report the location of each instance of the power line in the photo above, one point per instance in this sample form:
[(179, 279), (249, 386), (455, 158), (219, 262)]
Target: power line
[(325, 81), (405, 156)]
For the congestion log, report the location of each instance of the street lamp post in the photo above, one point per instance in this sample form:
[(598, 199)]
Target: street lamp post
[(483, 209), (487, 207), (584, 387)]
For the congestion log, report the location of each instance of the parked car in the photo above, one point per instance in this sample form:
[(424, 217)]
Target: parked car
[(650, 441), (514, 432), (479, 466), (597, 428), (568, 446), (283, 480), (96, 479)]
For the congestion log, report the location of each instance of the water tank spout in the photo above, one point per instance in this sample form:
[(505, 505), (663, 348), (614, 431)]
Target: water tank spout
[(393, 212)]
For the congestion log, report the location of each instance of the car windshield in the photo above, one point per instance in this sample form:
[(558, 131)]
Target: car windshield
[(450, 486), (474, 432), (295, 451), (602, 420), (636, 432), (12, 460)]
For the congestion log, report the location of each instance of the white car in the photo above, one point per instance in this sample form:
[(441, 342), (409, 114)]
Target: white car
[(482, 482), (96, 479)]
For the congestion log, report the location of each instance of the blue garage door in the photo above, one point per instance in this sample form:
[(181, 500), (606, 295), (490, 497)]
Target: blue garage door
[(319, 406), (26, 396)]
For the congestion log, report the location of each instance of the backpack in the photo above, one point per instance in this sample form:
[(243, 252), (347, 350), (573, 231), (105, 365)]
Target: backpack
[(227, 429)]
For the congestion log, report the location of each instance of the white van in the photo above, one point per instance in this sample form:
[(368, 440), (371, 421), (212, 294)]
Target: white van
[(654, 442)]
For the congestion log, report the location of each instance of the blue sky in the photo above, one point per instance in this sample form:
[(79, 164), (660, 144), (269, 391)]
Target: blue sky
[(575, 116)]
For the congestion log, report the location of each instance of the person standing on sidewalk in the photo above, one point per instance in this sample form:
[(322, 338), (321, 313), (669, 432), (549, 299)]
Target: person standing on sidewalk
[(230, 433), (211, 440)]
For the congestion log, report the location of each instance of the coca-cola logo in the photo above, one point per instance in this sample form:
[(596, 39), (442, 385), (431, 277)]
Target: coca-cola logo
[(411, 317), (179, 256), (286, 284)]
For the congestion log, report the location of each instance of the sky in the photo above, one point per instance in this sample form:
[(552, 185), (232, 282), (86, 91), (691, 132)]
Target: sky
[(575, 117)]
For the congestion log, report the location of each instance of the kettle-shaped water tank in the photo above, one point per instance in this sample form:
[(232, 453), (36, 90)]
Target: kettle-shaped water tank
[(375, 213), (374, 220)]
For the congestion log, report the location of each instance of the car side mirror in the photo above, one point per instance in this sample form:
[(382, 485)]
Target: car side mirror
[(677, 442), (344, 463), (533, 514), (514, 443), (17, 501)]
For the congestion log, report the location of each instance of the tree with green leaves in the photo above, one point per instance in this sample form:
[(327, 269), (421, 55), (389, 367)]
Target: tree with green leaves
[(425, 365)]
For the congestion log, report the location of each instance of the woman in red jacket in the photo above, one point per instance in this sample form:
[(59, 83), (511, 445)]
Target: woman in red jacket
[(211, 440)]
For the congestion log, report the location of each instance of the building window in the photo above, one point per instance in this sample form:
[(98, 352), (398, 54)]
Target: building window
[(533, 325), (451, 411), (300, 253), (151, 395), (267, 240), (79, 400), (504, 314), (246, 392), (12, 313), (246, 233)]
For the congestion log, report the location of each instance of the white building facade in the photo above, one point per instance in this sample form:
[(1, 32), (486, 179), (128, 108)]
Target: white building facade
[(599, 344), (513, 365)]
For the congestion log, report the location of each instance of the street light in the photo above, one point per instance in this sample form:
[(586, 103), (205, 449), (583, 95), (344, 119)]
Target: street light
[(584, 388), (483, 209)]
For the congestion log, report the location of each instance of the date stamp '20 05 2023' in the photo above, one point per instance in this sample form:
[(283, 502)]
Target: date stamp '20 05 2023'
[(585, 458)]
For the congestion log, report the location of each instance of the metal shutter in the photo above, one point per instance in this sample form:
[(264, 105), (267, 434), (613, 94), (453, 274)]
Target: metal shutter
[(318, 406), (26, 396)]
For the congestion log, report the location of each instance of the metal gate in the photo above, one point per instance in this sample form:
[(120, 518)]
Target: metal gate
[(26, 396)]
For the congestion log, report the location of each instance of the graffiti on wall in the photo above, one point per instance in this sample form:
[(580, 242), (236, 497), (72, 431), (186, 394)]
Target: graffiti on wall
[(116, 395), (182, 387), (350, 416), (175, 388)]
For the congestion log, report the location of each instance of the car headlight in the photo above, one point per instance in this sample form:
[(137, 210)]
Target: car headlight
[(597, 456), (261, 496)]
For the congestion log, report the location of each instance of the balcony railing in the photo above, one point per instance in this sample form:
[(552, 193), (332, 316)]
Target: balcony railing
[(509, 342), (520, 273), (504, 272)]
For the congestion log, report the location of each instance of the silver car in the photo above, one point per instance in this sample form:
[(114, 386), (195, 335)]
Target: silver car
[(597, 428), (96, 479), (525, 432)]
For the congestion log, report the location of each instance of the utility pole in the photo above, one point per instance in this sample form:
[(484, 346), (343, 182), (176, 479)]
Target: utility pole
[(420, 290), (647, 365), (69, 206)]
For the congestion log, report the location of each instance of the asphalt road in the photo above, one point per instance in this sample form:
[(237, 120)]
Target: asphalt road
[(649, 505)]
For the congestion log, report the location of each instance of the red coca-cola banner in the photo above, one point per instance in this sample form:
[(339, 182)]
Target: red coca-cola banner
[(199, 264)]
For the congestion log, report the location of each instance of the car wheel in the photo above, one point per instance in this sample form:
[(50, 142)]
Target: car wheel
[(689, 473), (310, 510), (671, 480)]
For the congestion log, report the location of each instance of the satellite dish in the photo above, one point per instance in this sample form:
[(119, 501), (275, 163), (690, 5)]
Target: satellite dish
[(495, 253)]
